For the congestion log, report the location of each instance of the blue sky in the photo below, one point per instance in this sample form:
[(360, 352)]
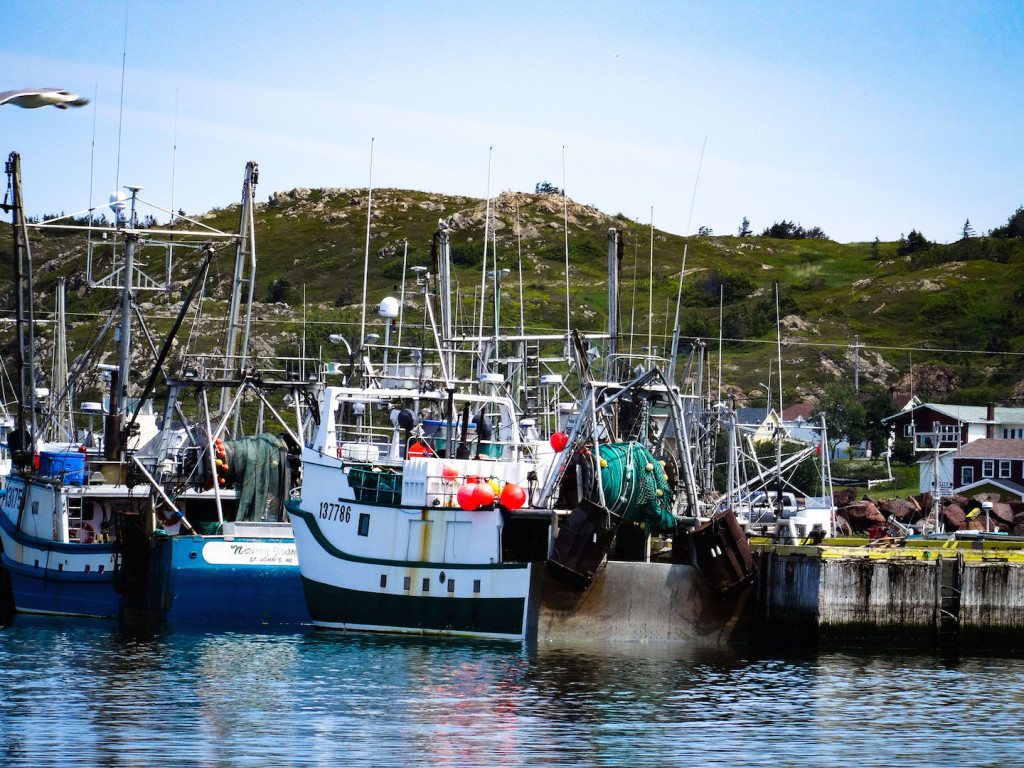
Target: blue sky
[(863, 118)]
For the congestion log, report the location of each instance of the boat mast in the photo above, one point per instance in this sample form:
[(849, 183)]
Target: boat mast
[(65, 427), (24, 318), (614, 264), (244, 279), (444, 281)]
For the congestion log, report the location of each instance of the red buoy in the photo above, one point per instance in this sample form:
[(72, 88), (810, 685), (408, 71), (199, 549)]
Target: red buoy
[(467, 497), (483, 495), (558, 441), (513, 496)]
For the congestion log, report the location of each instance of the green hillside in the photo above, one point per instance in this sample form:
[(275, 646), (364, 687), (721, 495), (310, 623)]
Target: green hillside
[(965, 296)]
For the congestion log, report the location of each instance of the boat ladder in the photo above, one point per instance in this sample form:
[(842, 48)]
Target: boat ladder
[(73, 505)]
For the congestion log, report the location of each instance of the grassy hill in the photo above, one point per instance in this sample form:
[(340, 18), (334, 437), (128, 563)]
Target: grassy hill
[(905, 309)]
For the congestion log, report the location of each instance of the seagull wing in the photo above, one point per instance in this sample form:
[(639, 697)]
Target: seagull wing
[(6, 96)]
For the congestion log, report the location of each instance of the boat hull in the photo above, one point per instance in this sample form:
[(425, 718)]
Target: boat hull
[(218, 581), (353, 592), (198, 580), (44, 591)]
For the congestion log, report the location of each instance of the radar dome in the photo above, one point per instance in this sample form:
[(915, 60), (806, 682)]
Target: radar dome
[(388, 307)]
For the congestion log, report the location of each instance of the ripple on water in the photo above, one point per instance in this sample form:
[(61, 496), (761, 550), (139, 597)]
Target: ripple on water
[(88, 692)]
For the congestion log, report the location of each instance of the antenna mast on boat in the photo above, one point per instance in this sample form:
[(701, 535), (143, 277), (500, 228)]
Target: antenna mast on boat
[(778, 337), (92, 168), (721, 299), (519, 245), (650, 298), (401, 301), (632, 307), (366, 253), (483, 268), (120, 113), (614, 263), (679, 297), (565, 227), (174, 151)]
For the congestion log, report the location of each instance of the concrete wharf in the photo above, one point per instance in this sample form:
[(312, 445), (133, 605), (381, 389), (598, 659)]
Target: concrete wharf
[(947, 593)]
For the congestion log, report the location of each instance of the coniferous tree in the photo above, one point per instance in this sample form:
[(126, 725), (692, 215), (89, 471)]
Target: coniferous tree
[(744, 230)]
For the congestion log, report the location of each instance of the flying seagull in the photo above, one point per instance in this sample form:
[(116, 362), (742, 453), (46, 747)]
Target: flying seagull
[(33, 98)]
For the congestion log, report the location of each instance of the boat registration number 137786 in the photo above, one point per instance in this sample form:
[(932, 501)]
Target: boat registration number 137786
[(331, 510)]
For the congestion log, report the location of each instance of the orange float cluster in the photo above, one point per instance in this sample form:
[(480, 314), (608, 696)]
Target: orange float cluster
[(220, 464), (478, 493)]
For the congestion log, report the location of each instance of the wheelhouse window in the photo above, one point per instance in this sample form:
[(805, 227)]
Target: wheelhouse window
[(988, 468), (364, 524), (1004, 469)]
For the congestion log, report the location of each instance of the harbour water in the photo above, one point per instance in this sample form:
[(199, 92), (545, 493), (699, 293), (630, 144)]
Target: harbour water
[(74, 692)]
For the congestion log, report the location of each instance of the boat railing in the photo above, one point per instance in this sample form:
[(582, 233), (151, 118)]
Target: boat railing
[(382, 444), (206, 367)]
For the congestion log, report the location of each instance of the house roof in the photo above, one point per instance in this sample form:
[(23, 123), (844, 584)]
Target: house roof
[(991, 448), (1015, 488), (902, 399), (798, 411), (971, 414), (751, 415)]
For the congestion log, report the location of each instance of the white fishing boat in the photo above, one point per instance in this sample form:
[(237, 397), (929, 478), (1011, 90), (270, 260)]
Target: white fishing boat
[(440, 500), (396, 535)]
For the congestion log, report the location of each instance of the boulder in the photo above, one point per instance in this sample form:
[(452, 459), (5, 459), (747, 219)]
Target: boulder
[(924, 500), (861, 515), (1003, 513), (953, 517), (843, 496), (902, 511)]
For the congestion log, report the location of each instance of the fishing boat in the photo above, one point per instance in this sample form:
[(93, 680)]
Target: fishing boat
[(161, 531), (449, 498)]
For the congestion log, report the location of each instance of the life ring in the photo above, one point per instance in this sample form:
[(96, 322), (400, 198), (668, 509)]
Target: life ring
[(86, 533)]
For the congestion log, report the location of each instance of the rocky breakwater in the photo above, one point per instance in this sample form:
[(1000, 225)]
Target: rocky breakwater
[(983, 512)]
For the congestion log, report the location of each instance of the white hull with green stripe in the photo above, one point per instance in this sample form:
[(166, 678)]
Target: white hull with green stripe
[(383, 545)]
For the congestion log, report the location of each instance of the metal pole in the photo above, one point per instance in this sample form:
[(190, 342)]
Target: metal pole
[(211, 456)]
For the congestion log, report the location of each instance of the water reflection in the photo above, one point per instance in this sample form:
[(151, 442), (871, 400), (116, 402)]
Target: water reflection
[(88, 691)]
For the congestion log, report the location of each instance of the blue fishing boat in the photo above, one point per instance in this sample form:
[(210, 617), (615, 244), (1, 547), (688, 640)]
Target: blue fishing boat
[(144, 523)]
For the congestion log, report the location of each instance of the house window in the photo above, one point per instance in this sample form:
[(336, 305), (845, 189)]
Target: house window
[(1004, 468), (966, 475), (988, 468), (908, 430)]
